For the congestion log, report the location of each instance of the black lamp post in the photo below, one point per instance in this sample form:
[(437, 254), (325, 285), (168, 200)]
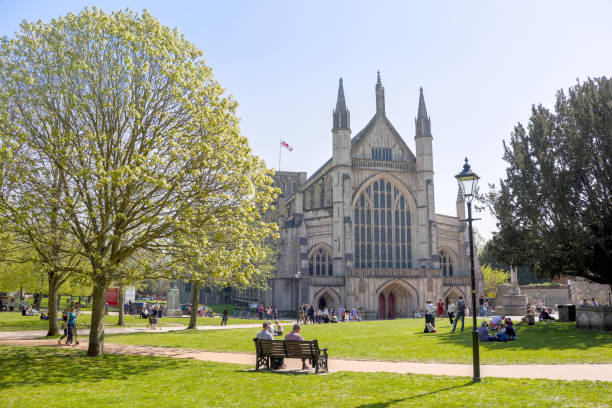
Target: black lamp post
[(468, 181)]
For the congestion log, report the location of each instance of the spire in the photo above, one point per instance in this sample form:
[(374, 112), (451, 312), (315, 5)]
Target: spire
[(342, 116), (422, 121), (380, 96)]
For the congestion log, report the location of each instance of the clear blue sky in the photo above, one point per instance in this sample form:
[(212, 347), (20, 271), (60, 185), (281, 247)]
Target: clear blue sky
[(482, 65)]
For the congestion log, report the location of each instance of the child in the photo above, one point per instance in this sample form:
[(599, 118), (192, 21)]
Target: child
[(64, 327), (501, 333), (510, 331)]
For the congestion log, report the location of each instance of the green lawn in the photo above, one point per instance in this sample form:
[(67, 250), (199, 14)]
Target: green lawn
[(14, 321), (46, 376), (544, 343)]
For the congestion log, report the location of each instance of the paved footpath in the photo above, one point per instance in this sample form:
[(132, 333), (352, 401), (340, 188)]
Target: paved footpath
[(572, 372)]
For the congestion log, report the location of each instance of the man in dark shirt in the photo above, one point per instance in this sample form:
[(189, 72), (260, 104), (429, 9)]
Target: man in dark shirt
[(460, 314)]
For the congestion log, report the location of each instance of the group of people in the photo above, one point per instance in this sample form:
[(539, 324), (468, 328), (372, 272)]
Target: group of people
[(267, 312), (455, 313), (153, 312), (307, 314), (69, 325), (502, 327), (585, 303)]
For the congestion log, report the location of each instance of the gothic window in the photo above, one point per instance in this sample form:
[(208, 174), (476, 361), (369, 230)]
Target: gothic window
[(320, 262), (379, 153), (446, 262), (382, 225)]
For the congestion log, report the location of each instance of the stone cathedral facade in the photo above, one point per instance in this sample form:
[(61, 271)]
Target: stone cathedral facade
[(362, 231)]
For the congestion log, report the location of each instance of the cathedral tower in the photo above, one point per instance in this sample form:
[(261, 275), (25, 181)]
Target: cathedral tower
[(341, 189), (428, 246)]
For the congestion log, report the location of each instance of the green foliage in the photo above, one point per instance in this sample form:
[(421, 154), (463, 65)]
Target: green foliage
[(493, 278), (554, 206), (128, 152), (37, 376), (526, 274)]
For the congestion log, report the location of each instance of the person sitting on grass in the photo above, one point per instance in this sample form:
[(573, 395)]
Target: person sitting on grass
[(510, 331), (295, 335), (545, 314), (278, 329), (496, 322), (501, 333), (483, 333)]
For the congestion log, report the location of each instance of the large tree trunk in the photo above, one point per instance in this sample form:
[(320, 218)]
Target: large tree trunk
[(36, 305), (53, 305), (195, 302), (96, 333), (121, 302)]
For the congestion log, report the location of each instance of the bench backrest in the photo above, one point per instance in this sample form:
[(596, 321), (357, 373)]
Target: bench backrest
[(287, 348)]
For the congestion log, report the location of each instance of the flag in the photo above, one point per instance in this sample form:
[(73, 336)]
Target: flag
[(285, 144)]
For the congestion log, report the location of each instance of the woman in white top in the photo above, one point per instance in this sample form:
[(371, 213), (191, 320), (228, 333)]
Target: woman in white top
[(451, 311)]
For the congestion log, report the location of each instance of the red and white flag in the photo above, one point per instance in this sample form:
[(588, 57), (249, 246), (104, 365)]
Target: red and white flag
[(285, 144)]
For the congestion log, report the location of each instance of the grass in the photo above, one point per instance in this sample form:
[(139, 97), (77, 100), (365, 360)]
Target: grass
[(14, 321), (45, 376), (544, 343)]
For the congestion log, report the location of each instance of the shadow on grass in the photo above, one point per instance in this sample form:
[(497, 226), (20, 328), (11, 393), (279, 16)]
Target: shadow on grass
[(37, 366), (413, 397), (544, 335)]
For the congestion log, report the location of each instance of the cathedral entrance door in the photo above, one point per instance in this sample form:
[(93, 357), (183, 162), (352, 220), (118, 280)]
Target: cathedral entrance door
[(381, 307), (322, 302), (391, 306)]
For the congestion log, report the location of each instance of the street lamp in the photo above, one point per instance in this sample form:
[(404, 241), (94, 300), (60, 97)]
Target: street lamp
[(297, 302), (468, 181)]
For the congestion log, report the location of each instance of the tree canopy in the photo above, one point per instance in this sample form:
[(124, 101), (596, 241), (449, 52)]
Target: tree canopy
[(554, 208), (117, 127)]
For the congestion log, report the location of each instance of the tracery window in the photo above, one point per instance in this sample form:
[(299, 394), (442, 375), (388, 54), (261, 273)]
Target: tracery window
[(382, 227), (320, 262), (446, 262)]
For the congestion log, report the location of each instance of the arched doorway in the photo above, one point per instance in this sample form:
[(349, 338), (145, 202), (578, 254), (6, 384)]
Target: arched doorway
[(452, 294), (396, 299), (322, 302), (326, 298)]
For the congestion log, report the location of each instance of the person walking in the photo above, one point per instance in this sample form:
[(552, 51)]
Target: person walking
[(224, 319), (481, 304), (451, 311), (429, 316), (71, 325), (64, 327), (461, 306)]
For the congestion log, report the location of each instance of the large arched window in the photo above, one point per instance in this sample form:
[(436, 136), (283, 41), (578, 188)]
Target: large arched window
[(382, 227), (446, 262), (320, 262)]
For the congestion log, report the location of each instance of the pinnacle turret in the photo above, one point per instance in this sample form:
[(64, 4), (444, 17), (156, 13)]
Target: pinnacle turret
[(341, 115), (422, 121), (380, 96)]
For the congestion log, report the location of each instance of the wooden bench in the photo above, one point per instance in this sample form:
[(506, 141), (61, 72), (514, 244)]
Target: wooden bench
[(304, 350)]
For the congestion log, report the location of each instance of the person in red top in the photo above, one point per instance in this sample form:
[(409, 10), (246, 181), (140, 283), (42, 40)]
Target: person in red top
[(440, 307)]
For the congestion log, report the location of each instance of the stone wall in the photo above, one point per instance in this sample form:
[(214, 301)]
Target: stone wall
[(550, 295), (583, 289)]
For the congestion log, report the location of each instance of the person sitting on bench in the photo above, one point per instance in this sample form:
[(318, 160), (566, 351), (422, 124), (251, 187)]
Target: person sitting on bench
[(295, 335)]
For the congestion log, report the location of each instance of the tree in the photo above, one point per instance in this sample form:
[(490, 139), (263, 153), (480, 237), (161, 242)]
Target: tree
[(554, 208), (493, 278), (147, 145)]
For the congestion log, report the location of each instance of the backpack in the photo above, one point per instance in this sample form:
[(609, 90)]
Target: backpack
[(461, 306)]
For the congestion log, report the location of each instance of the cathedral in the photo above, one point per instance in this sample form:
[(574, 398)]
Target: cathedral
[(362, 231)]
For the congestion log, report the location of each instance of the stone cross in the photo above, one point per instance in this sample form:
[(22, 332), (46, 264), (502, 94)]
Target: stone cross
[(514, 288)]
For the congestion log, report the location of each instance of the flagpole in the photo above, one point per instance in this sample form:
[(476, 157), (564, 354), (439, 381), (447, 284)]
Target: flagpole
[(280, 149)]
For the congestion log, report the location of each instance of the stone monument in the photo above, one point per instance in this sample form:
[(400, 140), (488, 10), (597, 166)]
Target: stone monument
[(512, 303), (173, 303)]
